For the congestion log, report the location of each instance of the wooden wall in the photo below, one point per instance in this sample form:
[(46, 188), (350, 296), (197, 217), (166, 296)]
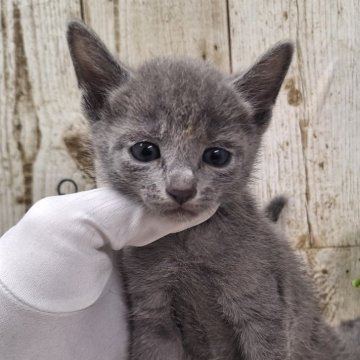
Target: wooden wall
[(311, 152)]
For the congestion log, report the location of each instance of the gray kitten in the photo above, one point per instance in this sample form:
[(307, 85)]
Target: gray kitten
[(178, 137)]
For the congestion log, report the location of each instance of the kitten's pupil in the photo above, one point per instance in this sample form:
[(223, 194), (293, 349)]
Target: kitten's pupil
[(216, 157), (145, 151)]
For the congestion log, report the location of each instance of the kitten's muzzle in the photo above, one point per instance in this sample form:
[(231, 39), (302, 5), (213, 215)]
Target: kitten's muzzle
[(181, 196)]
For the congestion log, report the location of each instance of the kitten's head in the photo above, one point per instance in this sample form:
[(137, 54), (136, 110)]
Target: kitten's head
[(178, 136)]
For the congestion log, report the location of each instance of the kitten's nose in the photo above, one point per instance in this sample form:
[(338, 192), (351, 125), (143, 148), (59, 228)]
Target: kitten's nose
[(182, 195)]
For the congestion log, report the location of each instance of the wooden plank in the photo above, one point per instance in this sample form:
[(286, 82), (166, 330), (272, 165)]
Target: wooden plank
[(256, 26), (312, 150), (333, 270), (329, 49), (39, 102), (138, 30), (11, 170)]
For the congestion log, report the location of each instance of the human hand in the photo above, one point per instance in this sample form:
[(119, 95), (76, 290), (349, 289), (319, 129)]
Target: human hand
[(58, 258)]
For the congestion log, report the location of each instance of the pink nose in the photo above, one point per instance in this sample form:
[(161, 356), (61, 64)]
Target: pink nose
[(181, 195)]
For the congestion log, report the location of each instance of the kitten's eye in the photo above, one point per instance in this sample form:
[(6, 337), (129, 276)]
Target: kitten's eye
[(145, 151), (216, 157)]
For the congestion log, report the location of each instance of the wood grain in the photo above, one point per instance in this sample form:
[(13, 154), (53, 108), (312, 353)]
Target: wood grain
[(39, 102), (12, 181), (333, 270), (138, 30), (328, 51), (281, 168), (312, 150)]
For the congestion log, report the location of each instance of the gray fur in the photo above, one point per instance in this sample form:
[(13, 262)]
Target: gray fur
[(230, 288)]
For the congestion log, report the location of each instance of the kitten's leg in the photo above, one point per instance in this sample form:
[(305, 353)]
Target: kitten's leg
[(260, 333), (154, 334)]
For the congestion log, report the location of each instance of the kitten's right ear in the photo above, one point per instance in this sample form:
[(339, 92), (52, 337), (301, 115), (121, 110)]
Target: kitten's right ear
[(96, 69)]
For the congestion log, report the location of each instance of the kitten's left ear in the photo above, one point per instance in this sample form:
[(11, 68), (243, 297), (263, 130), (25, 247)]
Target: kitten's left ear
[(261, 84)]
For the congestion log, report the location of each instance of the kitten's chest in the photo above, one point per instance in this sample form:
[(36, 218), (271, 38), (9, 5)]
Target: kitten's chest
[(189, 269), (196, 309)]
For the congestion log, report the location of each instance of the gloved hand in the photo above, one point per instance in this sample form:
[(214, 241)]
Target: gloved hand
[(58, 257)]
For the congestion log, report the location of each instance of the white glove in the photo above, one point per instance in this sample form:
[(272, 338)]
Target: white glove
[(58, 257)]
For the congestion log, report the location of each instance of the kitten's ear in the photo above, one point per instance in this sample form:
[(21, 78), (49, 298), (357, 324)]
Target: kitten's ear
[(260, 84), (96, 69)]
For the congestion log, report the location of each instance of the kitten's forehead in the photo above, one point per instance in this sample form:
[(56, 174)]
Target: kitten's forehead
[(186, 96)]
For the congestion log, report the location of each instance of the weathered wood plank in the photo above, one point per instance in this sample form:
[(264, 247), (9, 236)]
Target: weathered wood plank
[(333, 270), (312, 150), (11, 170), (256, 26), (39, 102), (329, 49), (138, 30)]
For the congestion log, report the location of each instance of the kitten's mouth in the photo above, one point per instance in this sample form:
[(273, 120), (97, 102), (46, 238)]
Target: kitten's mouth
[(184, 212), (180, 212)]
